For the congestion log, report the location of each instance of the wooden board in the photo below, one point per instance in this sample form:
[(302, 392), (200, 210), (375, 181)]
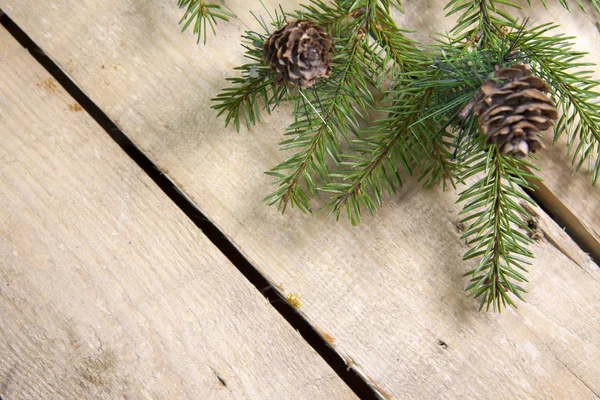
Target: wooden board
[(388, 294), (107, 290)]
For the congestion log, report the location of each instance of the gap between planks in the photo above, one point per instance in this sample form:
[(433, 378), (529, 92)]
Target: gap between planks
[(310, 334), (565, 218)]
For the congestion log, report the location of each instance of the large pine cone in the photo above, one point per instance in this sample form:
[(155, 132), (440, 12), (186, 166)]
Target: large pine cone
[(301, 51), (514, 109)]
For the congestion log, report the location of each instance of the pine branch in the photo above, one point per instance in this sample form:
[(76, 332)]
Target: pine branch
[(441, 167), (335, 17), (331, 110), (453, 78), (370, 5), (495, 228), (375, 20), (421, 110), (258, 87), (424, 122), (576, 93), (578, 3), (315, 136), (316, 140), (480, 19), (200, 14), (369, 172), (397, 50), (371, 17), (372, 164)]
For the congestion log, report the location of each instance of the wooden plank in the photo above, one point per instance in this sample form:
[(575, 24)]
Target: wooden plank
[(386, 294), (107, 290)]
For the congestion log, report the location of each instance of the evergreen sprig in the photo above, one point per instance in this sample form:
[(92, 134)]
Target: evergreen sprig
[(372, 166), (332, 110), (201, 14), (412, 133), (480, 19), (393, 107), (259, 86), (497, 230)]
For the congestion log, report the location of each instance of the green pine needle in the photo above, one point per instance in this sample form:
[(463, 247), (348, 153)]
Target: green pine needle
[(258, 87), (201, 14)]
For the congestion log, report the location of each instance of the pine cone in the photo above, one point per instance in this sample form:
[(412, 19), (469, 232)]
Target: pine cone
[(301, 51), (514, 109)]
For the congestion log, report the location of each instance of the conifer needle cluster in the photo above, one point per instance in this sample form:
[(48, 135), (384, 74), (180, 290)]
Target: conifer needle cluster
[(423, 98)]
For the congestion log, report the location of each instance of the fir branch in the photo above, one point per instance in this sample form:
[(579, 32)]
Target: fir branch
[(316, 140), (480, 19), (424, 121), (453, 78), (495, 227), (335, 18), (398, 50), (331, 110), (418, 111), (200, 14), (369, 5), (372, 164), (370, 172), (440, 167), (371, 17), (258, 83), (576, 93), (578, 3)]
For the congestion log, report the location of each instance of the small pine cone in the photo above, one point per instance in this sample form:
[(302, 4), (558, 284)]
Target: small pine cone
[(514, 109), (301, 51)]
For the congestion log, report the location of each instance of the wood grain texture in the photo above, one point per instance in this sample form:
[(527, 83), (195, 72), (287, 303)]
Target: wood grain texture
[(388, 294), (107, 290)]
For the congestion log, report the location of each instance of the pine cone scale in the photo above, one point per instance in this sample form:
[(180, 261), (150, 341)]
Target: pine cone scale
[(493, 111), (530, 94), (537, 83)]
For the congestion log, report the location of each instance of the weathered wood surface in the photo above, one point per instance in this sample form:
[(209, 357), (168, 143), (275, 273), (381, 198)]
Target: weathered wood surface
[(107, 290), (386, 294)]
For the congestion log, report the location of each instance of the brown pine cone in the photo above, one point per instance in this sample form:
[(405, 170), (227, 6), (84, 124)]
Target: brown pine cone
[(301, 51), (514, 109)]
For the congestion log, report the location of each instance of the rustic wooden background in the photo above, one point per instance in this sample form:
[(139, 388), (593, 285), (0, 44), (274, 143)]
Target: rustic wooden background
[(109, 291)]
